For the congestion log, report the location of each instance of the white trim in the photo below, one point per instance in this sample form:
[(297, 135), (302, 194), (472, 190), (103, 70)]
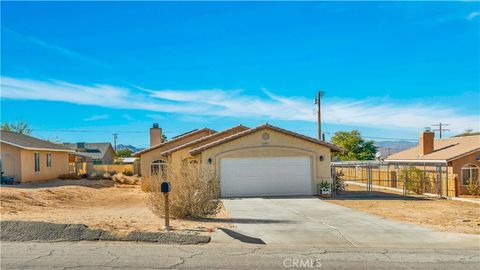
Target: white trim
[(37, 149), (475, 167)]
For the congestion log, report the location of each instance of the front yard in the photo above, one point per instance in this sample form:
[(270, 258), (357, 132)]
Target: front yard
[(441, 215), (99, 204)]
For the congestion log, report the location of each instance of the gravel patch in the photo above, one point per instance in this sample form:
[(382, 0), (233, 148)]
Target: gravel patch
[(21, 231)]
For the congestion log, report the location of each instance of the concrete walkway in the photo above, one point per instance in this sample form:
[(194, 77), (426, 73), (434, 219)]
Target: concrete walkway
[(311, 221)]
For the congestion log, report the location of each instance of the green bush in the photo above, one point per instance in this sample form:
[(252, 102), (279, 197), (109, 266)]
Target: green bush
[(473, 188), (416, 180)]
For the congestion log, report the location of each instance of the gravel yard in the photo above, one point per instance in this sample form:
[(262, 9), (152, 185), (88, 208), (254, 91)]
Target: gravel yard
[(99, 204)]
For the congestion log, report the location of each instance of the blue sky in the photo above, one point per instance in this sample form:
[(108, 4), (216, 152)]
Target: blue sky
[(388, 69)]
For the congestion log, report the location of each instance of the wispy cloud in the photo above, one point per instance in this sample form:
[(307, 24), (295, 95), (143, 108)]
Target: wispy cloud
[(473, 15), (127, 117), (97, 117), (234, 103), (57, 49)]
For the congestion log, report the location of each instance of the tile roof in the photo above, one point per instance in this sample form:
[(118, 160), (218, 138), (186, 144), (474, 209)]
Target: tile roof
[(444, 149), (29, 142), (176, 139), (264, 126), (93, 150), (203, 139)]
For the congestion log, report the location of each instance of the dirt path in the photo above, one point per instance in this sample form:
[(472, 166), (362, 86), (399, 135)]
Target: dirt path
[(98, 204)]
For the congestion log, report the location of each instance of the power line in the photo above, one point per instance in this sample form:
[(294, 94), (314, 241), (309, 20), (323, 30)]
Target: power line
[(440, 128)]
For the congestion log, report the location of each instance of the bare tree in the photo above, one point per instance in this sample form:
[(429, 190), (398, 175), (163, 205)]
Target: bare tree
[(21, 127)]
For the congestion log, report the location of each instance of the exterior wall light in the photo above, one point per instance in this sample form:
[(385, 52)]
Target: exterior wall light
[(209, 160), (321, 158)]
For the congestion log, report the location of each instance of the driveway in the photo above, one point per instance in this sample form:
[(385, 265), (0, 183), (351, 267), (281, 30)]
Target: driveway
[(311, 221)]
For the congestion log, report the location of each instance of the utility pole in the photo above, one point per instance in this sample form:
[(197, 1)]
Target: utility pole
[(320, 93), (115, 136), (440, 128)]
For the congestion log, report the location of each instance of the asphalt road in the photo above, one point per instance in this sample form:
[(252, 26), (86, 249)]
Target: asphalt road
[(113, 255), (310, 221)]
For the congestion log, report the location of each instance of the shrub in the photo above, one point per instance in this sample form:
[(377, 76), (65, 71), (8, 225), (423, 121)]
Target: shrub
[(416, 180), (127, 172), (146, 184), (195, 192), (338, 183), (473, 188), (70, 176), (100, 176), (125, 179)]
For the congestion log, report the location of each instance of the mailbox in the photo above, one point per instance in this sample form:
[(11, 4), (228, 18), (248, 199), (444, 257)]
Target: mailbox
[(165, 187)]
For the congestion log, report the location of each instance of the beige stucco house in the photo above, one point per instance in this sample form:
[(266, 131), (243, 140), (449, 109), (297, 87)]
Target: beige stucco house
[(28, 159), (461, 154), (261, 161)]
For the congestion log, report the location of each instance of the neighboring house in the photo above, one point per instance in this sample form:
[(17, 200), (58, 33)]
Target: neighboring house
[(100, 153), (261, 161), (461, 154), (28, 159), (126, 160)]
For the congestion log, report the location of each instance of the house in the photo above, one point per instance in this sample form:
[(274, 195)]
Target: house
[(461, 154), (261, 161), (100, 153), (28, 159)]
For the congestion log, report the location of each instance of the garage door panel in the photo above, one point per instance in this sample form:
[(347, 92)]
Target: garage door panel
[(272, 176)]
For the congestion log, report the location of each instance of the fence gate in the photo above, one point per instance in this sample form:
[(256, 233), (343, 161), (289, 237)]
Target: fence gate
[(393, 180)]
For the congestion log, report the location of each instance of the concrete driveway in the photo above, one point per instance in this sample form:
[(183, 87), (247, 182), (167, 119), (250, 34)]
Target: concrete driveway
[(311, 221)]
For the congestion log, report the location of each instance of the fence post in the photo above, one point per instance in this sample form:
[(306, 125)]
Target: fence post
[(446, 182)]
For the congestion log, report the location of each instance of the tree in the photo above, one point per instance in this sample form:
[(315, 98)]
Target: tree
[(356, 148), (124, 153), (21, 127)]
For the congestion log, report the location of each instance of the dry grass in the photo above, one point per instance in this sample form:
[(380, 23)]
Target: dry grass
[(195, 192), (101, 204), (441, 215)]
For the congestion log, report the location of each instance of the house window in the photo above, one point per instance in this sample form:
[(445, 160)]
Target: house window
[(469, 173), (97, 162), (157, 167), (49, 160), (37, 161)]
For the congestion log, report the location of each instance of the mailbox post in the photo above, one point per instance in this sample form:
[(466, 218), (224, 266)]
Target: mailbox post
[(165, 189)]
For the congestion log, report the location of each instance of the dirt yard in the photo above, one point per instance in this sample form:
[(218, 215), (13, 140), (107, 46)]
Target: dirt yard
[(441, 215), (96, 203)]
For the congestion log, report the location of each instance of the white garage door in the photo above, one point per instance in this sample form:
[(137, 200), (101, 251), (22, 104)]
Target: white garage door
[(272, 176)]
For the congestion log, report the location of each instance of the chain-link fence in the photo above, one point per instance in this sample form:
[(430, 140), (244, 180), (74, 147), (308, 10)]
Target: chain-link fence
[(375, 178)]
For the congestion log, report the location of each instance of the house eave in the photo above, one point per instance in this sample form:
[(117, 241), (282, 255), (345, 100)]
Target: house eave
[(36, 148)]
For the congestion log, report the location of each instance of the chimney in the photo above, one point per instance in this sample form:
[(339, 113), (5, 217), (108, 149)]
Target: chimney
[(155, 135), (426, 142)]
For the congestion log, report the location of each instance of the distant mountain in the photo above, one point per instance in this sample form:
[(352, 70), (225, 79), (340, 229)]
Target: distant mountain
[(467, 134), (129, 147), (388, 148)]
